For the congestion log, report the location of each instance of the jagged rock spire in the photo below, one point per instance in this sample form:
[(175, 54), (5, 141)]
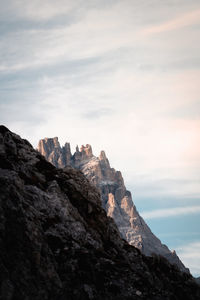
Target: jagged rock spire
[(102, 155), (116, 200), (86, 151), (51, 149)]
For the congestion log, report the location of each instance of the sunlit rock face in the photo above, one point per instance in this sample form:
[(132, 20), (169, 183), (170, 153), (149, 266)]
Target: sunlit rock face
[(116, 200), (59, 157), (57, 243)]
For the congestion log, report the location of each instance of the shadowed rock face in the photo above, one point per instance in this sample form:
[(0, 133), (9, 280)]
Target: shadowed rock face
[(56, 241), (116, 200)]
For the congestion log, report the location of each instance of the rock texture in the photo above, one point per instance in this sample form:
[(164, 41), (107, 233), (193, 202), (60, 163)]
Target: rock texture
[(197, 280), (57, 243), (116, 200)]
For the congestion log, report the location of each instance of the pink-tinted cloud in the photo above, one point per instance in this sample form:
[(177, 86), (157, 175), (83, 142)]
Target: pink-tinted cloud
[(181, 21)]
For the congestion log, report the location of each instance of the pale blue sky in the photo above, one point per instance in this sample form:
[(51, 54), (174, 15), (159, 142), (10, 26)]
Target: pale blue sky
[(124, 77)]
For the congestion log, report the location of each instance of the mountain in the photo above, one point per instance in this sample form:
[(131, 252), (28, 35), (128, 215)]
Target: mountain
[(197, 280), (116, 200), (57, 243)]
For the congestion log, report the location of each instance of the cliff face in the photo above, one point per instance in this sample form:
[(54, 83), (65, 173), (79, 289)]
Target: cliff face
[(57, 243), (116, 200), (59, 157)]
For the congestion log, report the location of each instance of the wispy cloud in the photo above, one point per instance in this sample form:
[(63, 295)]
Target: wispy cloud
[(92, 68), (37, 10), (170, 212), (181, 21), (190, 255), (83, 71), (99, 113)]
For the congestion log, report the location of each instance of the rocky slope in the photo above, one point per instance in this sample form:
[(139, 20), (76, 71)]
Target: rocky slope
[(56, 241), (197, 280), (116, 200)]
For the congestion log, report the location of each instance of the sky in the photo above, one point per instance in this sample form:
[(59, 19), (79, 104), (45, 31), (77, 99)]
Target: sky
[(122, 76)]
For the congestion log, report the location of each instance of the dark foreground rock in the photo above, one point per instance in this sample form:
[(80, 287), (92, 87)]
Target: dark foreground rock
[(56, 241)]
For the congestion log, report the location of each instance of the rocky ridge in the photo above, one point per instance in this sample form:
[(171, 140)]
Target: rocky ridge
[(56, 241), (116, 200)]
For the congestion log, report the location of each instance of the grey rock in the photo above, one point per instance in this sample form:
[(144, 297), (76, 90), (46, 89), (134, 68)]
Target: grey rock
[(57, 243), (116, 200)]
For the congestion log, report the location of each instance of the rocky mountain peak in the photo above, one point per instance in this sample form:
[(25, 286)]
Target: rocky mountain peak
[(47, 145), (51, 149), (103, 159), (56, 241), (116, 200), (102, 155), (55, 142), (68, 148), (86, 151), (82, 155)]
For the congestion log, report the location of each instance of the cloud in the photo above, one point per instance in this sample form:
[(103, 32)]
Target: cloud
[(37, 10), (170, 212), (184, 20), (80, 40), (190, 256), (181, 189), (98, 72), (94, 30), (99, 113), (93, 73)]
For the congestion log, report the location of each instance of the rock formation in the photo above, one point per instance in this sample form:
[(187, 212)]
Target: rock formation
[(57, 243), (116, 200), (197, 280)]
